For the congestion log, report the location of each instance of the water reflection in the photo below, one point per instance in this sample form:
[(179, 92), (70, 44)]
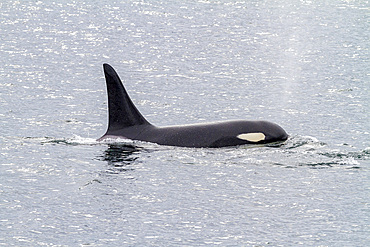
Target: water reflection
[(120, 157)]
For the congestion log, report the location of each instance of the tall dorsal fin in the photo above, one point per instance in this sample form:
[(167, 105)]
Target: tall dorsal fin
[(122, 112)]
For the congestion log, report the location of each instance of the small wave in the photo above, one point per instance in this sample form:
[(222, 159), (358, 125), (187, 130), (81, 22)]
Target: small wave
[(310, 152), (303, 142), (79, 140), (317, 163), (75, 140), (359, 155)]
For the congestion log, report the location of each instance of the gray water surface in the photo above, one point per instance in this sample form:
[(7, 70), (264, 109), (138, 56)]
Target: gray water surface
[(301, 64)]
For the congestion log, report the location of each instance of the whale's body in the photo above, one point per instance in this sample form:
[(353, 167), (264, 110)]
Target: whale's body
[(125, 121)]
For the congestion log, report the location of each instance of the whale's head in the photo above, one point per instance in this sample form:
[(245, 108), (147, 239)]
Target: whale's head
[(263, 132)]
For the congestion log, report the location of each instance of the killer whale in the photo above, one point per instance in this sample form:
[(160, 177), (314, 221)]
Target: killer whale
[(125, 121)]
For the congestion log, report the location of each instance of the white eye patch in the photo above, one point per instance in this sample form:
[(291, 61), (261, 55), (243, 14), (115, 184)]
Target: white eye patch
[(252, 137)]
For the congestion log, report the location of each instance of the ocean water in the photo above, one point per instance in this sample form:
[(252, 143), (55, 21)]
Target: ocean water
[(301, 64)]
